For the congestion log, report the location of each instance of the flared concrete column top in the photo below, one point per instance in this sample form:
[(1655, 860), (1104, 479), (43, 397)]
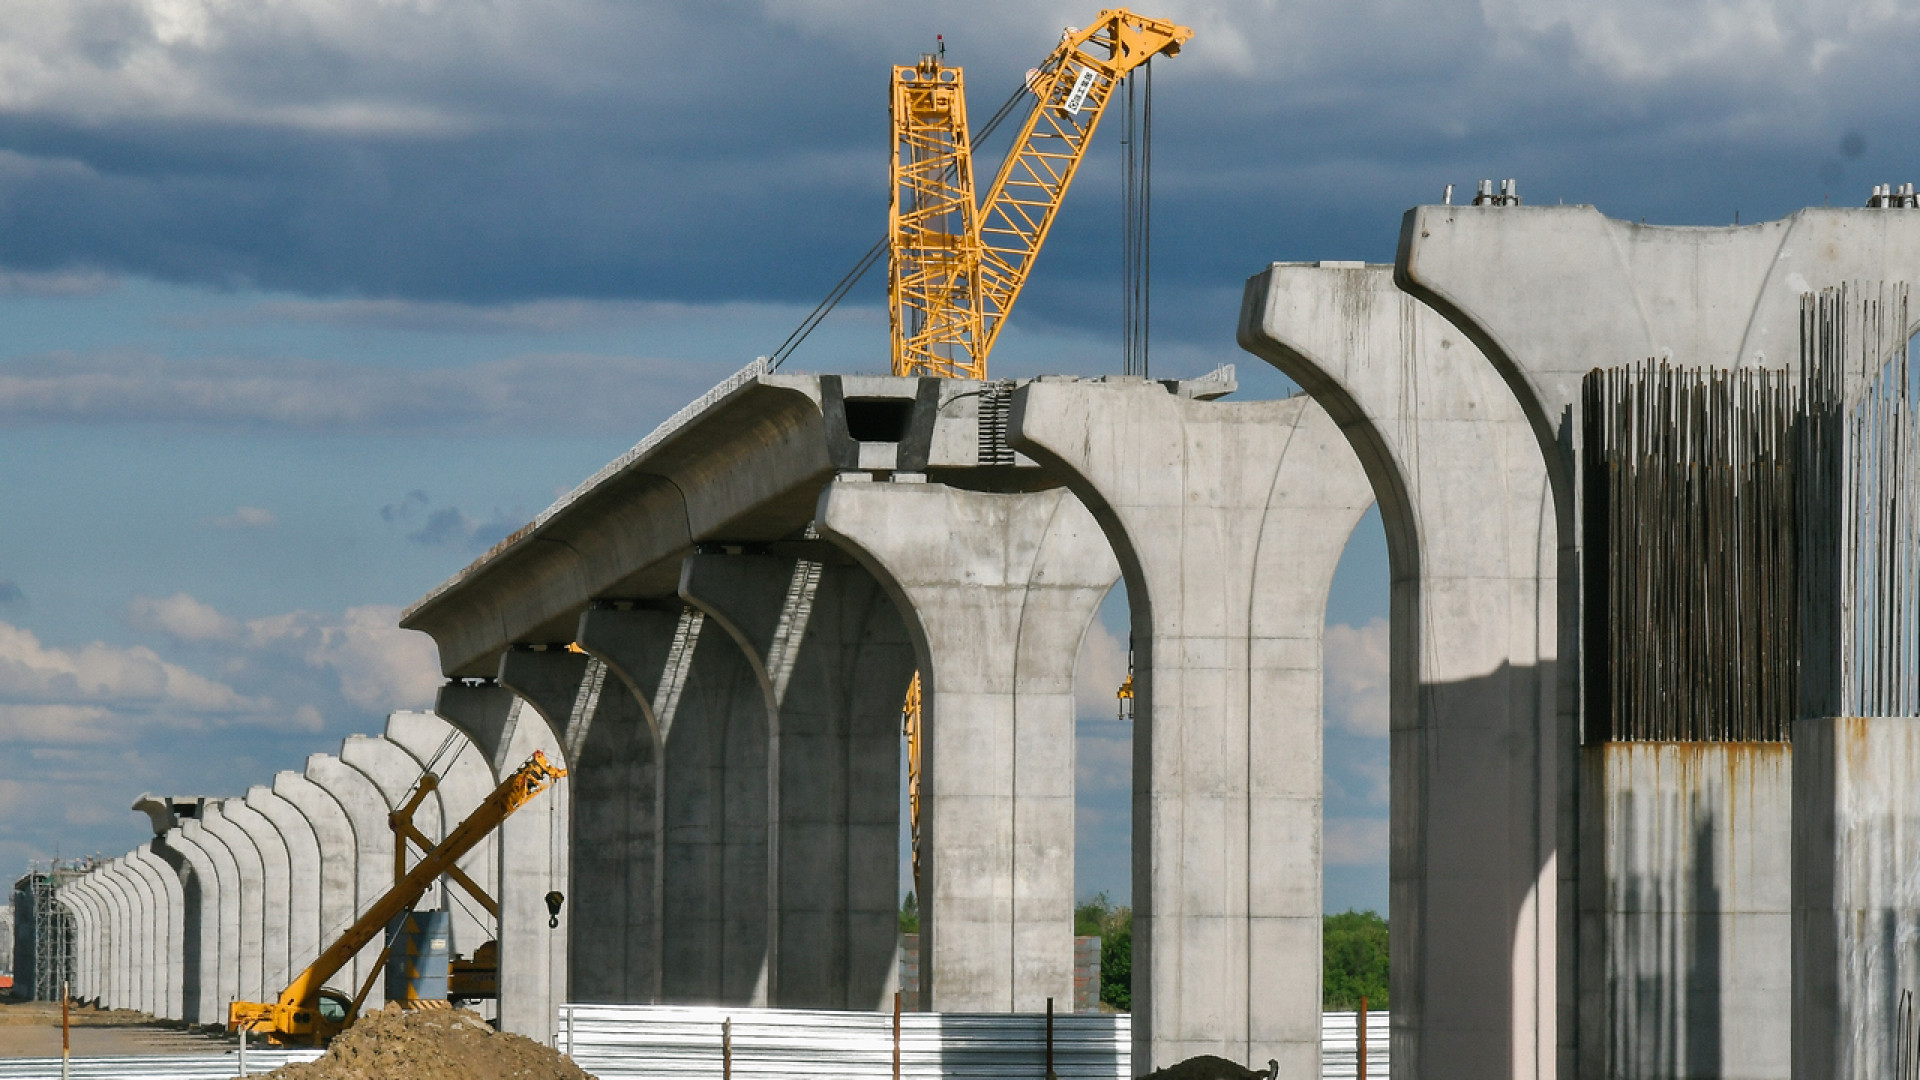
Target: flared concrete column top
[(1551, 292)]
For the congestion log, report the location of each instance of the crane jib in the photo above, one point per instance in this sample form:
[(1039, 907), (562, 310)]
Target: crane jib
[(1081, 87)]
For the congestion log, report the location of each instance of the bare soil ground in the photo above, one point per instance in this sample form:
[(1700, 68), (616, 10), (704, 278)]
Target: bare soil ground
[(32, 1029), (432, 1044)]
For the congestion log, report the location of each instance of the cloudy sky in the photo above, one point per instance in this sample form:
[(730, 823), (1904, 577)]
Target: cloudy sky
[(305, 302)]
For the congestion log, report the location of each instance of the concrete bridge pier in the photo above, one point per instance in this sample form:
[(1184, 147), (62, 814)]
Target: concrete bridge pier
[(833, 661), (250, 892), (337, 862), (612, 754), (1000, 590), (276, 904), (706, 703), (531, 855), (1228, 520), (200, 926), (366, 810), (464, 782)]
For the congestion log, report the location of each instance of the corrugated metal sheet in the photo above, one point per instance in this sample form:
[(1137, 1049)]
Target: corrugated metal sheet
[(641, 1042), (153, 1067), (1339, 1046)]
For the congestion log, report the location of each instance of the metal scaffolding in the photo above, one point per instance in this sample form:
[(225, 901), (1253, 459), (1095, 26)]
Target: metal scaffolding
[(43, 929)]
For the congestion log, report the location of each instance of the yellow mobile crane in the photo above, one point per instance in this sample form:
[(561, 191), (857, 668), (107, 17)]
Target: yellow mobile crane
[(308, 1011), (957, 266)]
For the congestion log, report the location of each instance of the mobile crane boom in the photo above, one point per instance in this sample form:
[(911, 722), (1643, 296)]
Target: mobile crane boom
[(297, 1016)]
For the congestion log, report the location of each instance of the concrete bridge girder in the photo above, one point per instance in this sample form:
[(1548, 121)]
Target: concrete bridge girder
[(1228, 520), (998, 591), (1482, 730)]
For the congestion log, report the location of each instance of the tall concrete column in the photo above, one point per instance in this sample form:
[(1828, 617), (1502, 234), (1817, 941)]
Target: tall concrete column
[(465, 781), (78, 900), (705, 701), (833, 661), (1483, 728), (611, 759), (532, 855), (366, 810), (74, 902), (132, 933), (302, 850), (220, 905), (1856, 900), (251, 884), (169, 965), (150, 930), (396, 773), (533, 862), (1000, 591), (103, 988), (200, 926), (276, 894), (1228, 521), (333, 841)]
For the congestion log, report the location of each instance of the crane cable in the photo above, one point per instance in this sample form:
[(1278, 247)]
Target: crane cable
[(860, 268), (1137, 229)]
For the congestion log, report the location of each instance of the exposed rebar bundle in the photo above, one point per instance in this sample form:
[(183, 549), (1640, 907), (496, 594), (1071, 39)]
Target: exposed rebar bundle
[(1691, 589)]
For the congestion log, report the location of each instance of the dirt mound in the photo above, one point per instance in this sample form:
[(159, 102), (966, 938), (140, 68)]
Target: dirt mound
[(1208, 1067), (432, 1044)]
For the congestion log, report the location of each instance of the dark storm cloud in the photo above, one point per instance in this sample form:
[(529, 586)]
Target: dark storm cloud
[(705, 153)]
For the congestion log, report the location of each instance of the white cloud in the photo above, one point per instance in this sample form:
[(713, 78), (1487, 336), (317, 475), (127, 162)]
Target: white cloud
[(247, 517), (33, 673), (380, 667), (1354, 842), (1356, 678), (180, 617), (570, 391), (1097, 675)]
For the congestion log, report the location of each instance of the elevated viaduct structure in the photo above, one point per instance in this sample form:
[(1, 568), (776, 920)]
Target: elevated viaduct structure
[(1647, 499)]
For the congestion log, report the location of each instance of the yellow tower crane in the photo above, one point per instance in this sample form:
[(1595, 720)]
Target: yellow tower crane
[(956, 266)]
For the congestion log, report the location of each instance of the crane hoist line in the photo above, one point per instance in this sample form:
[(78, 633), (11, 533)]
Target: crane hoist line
[(957, 265)]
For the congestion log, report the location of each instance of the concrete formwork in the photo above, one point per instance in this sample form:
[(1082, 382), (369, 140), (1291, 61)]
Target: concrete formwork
[(833, 660), (250, 877), (999, 590), (220, 907), (366, 810), (276, 894), (701, 695), (1856, 899), (611, 752), (464, 782), (338, 855), (1228, 521), (1482, 722), (200, 926), (302, 849)]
